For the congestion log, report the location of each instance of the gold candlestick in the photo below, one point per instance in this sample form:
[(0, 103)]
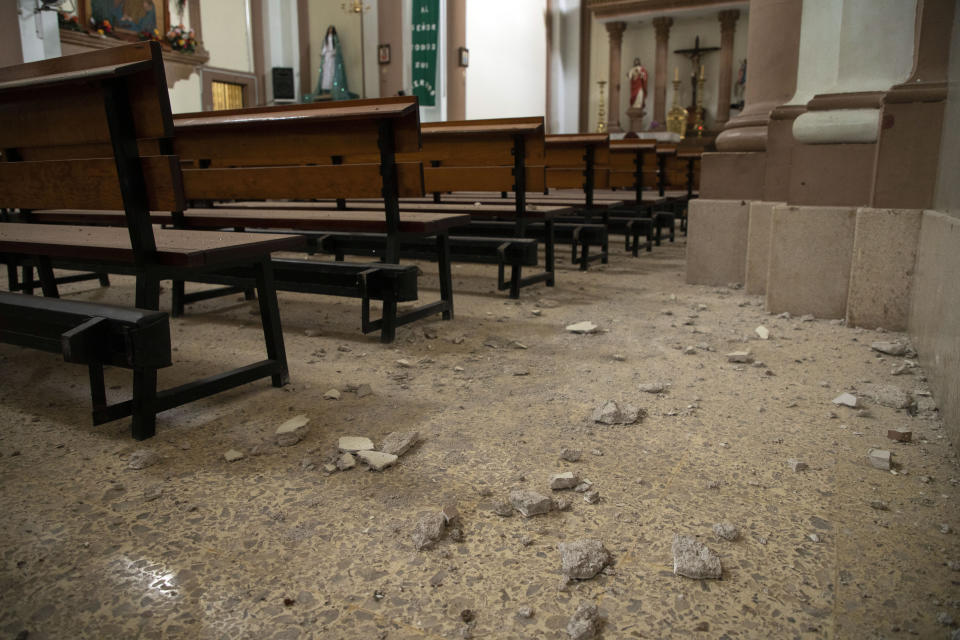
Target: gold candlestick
[(601, 110), (677, 116)]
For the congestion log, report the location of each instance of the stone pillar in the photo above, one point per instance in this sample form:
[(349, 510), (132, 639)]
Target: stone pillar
[(615, 30), (773, 45), (660, 70), (728, 26), (456, 75)]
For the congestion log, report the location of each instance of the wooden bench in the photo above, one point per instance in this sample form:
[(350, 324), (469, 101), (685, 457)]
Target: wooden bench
[(69, 130), (299, 152)]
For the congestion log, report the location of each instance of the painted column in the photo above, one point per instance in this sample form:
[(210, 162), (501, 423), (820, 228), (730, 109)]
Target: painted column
[(660, 71), (773, 44), (728, 27), (456, 75), (615, 31)]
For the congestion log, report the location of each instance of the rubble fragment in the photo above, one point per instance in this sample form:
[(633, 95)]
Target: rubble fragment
[(530, 503), (726, 531), (652, 387), (232, 455), (352, 444), (292, 431), (503, 508), (797, 465), (570, 455), (583, 559), (332, 394), (346, 462), (900, 435), (762, 332), (879, 458), (143, 458), (591, 497), (743, 357), (847, 400), (887, 395), (584, 624), (377, 460), (612, 412), (582, 327), (397, 443), (693, 559), (428, 531), (566, 480), (890, 348)]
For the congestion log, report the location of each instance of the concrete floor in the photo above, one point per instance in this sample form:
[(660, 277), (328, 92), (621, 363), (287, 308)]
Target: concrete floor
[(271, 546)]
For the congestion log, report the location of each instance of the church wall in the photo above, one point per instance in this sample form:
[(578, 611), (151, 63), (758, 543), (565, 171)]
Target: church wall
[(935, 311), (599, 70), (226, 36), (508, 67)]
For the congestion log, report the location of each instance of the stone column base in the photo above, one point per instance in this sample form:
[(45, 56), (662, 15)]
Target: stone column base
[(717, 241), (832, 174), (810, 255), (884, 253), (732, 175), (758, 246), (935, 313)]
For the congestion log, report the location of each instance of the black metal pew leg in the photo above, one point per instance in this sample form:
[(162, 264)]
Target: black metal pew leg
[(176, 299), (144, 409), (445, 275), (270, 319)]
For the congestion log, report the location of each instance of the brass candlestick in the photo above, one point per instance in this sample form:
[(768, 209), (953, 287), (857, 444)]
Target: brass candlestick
[(677, 116), (601, 110)]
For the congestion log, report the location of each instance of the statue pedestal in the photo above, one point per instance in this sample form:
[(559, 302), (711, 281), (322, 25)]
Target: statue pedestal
[(636, 118)]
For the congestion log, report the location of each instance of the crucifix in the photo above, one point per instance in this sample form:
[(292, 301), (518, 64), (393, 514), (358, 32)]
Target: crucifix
[(695, 55)]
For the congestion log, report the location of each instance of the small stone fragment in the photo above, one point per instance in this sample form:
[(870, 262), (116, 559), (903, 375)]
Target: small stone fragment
[(613, 413), (584, 624), (352, 444), (582, 327), (814, 537), (562, 503), (591, 497), (292, 431), (945, 528), (530, 503), (332, 394), (143, 458), (570, 455), (428, 530), (762, 332), (807, 317), (329, 468), (232, 455), (525, 612), (346, 461), (847, 400), (726, 531), (744, 357), (450, 513), (689, 351), (397, 443), (879, 505), (797, 465), (503, 508), (900, 435), (652, 387), (364, 390), (583, 559), (879, 458), (887, 395), (890, 348), (583, 487), (404, 363), (619, 357), (377, 460), (693, 559), (567, 480)]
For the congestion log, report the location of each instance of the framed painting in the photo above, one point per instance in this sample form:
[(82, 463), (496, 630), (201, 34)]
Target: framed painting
[(132, 16)]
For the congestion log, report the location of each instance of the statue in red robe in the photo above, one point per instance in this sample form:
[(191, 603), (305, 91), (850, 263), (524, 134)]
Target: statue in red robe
[(638, 84)]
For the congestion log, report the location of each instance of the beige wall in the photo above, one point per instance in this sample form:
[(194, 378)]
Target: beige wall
[(324, 13), (225, 34)]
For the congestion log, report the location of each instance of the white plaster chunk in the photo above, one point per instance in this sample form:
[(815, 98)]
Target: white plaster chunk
[(351, 444)]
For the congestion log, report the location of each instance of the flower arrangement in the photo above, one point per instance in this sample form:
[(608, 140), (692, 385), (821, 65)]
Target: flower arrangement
[(180, 39), (150, 35), (71, 23), (103, 28)]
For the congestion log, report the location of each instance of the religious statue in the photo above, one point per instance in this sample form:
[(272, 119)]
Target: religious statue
[(332, 77), (638, 84)]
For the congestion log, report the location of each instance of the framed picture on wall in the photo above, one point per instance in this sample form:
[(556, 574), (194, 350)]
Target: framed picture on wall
[(383, 54), (464, 57), (132, 16)]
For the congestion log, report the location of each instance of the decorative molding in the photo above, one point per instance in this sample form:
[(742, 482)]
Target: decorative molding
[(178, 65), (728, 21), (662, 27), (620, 9)]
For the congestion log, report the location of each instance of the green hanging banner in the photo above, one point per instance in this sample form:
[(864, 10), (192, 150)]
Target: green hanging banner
[(426, 26)]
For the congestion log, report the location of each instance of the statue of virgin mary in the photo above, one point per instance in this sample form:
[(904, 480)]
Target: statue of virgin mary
[(332, 77)]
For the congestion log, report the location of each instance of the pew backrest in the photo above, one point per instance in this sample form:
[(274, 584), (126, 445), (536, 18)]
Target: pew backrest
[(625, 155), (567, 157)]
